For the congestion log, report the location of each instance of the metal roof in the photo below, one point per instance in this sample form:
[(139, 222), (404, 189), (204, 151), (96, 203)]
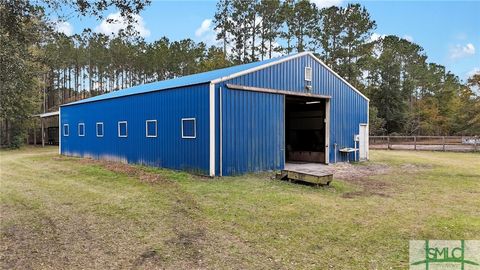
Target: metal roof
[(198, 78), (213, 76), (43, 115)]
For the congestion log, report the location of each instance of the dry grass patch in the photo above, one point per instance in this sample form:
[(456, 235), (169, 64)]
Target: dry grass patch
[(60, 212)]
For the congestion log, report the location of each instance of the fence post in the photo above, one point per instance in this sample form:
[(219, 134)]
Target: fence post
[(388, 142), (443, 141), (414, 142), (475, 138), (34, 133), (43, 133)]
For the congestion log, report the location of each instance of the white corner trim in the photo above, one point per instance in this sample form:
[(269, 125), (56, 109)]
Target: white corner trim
[(60, 130), (338, 76), (194, 128), (368, 130), (327, 132), (368, 112), (212, 128), (250, 70), (146, 128)]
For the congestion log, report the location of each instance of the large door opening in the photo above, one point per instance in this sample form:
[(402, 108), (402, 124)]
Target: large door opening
[(305, 136)]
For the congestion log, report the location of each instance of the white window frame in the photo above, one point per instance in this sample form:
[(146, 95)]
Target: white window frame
[(81, 124), (311, 74), (68, 133), (146, 128), (96, 129), (194, 128), (126, 129)]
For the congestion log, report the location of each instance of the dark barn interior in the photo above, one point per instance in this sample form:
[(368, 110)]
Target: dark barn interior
[(305, 129)]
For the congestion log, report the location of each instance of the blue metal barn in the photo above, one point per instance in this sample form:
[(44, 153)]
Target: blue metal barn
[(246, 118)]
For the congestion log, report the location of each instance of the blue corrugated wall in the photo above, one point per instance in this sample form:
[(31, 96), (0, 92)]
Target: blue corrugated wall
[(167, 150), (347, 110), (252, 122), (252, 132)]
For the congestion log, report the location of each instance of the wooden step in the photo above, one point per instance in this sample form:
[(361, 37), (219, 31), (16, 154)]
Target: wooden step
[(318, 178)]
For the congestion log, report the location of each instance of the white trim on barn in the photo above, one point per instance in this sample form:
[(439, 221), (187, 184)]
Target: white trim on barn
[(327, 131), (83, 129), (66, 134), (126, 129), (194, 128), (212, 129), (244, 72), (146, 128), (59, 131), (43, 115), (96, 129), (247, 71), (338, 76)]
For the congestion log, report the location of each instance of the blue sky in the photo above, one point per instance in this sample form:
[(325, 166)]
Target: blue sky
[(449, 31)]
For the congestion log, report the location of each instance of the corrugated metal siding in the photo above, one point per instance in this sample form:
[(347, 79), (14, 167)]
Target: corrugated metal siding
[(167, 150), (253, 131), (347, 108)]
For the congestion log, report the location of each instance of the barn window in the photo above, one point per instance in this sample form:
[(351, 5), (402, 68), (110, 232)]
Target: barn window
[(66, 130), (308, 74), (188, 128), (100, 129), (151, 128), (81, 129), (122, 129)]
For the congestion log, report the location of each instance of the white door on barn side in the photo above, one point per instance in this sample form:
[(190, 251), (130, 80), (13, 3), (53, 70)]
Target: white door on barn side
[(363, 142)]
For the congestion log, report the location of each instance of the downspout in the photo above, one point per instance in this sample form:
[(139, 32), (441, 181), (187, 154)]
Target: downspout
[(60, 128), (212, 129), (221, 133)]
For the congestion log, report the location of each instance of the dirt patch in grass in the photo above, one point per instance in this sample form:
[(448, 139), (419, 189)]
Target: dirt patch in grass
[(361, 176), (349, 171), (69, 213), (127, 169), (365, 177), (411, 168), (364, 193)]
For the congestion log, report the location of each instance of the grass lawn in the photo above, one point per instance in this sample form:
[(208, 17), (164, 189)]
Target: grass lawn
[(59, 212)]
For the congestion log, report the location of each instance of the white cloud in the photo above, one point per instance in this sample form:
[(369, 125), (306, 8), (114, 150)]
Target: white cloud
[(408, 37), (204, 27), (64, 27), (206, 34), (460, 51), (326, 3), (475, 70), (376, 36), (118, 22)]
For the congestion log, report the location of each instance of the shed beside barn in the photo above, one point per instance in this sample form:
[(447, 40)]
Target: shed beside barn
[(246, 118)]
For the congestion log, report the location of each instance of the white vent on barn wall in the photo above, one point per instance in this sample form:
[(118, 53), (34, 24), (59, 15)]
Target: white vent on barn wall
[(308, 78), (308, 74)]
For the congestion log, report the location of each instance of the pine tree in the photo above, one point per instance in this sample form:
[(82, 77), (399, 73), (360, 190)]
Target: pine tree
[(301, 20), (223, 23)]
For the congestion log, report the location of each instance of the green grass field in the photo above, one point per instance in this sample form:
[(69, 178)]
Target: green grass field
[(59, 212)]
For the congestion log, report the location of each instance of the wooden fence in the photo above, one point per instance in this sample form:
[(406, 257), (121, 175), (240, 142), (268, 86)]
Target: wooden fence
[(432, 143)]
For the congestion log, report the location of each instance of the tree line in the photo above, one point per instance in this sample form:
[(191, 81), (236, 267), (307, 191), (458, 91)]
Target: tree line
[(91, 63), (44, 69), (408, 94)]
